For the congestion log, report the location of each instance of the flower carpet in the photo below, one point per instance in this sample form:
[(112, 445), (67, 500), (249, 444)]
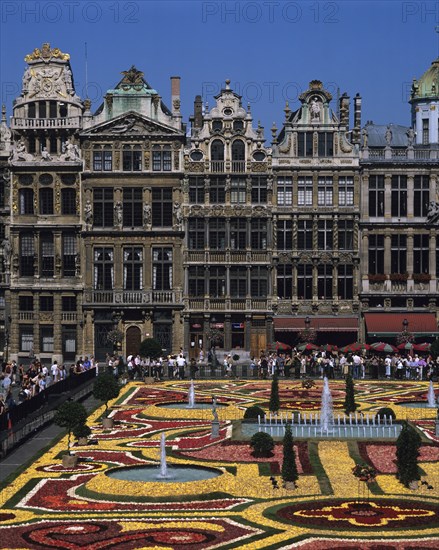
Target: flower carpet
[(246, 505)]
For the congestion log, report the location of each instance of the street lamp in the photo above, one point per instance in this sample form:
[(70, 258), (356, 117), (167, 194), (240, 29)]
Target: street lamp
[(405, 324)]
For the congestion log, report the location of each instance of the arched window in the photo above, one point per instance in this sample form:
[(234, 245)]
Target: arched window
[(238, 156), (217, 155)]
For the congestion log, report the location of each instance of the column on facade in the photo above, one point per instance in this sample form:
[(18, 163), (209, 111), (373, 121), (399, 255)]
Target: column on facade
[(57, 326), (58, 250), (37, 324), (335, 195), (387, 252), (361, 194), (335, 279), (410, 251), (335, 233), (356, 234), (89, 261), (356, 278), (432, 254), (364, 253), (247, 331), (410, 195), (227, 331), (388, 196), (433, 193), (207, 190), (315, 280), (315, 189), (37, 259), (185, 341)]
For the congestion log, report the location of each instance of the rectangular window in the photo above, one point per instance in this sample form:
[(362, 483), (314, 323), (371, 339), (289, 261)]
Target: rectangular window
[(26, 338), (238, 282), (196, 281), (326, 144), (285, 281), (345, 235), (304, 191), (421, 195), (217, 234), (132, 160), (27, 255), (399, 254), (26, 303), (102, 160), (304, 235), (161, 160), (284, 191), (324, 235), (162, 268), (196, 234), (46, 339), (259, 282), (68, 201), (304, 281), (345, 282), (376, 254), (46, 303), (217, 190), (46, 201), (103, 268), (324, 281), (103, 207), (325, 191), (258, 235), (132, 207), (259, 189), (162, 207), (425, 131), (217, 282), (47, 255), (304, 144), (196, 189), (284, 235), (132, 268), (69, 303), (421, 253), (26, 200), (69, 254), (238, 234), (238, 191), (399, 196), (345, 191), (376, 196)]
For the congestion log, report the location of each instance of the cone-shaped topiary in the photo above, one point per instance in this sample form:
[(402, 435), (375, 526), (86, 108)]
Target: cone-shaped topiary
[(69, 415), (274, 397), (289, 466), (349, 402), (407, 452)]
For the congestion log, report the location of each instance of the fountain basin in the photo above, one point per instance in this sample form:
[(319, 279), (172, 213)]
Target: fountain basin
[(176, 474), (316, 431)]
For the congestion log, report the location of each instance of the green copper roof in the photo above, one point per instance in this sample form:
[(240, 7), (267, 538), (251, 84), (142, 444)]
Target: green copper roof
[(428, 85)]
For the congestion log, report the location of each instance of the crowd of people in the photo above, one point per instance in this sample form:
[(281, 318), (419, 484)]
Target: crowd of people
[(35, 378)]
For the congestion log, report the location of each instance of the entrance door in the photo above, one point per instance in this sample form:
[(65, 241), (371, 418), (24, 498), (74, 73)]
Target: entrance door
[(258, 342), (133, 338)]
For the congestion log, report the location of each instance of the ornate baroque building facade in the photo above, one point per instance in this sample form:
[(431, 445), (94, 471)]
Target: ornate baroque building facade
[(117, 225)]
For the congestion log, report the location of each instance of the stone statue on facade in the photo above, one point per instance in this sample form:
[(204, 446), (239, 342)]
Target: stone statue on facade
[(365, 135), (147, 214), (178, 215), (6, 254), (26, 80), (410, 137), (67, 77), (19, 152), (45, 155), (315, 110), (388, 135), (214, 409), (433, 213), (88, 212), (118, 214), (70, 152)]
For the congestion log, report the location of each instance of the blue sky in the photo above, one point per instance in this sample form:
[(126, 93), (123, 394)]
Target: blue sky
[(269, 49)]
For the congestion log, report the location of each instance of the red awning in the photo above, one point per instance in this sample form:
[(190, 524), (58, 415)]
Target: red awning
[(320, 324), (390, 324)]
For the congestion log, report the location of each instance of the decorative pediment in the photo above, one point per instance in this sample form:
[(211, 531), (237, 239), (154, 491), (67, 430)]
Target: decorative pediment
[(131, 124)]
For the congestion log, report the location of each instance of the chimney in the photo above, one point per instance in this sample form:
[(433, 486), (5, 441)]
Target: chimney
[(344, 110), (357, 119), (198, 112), (175, 95)]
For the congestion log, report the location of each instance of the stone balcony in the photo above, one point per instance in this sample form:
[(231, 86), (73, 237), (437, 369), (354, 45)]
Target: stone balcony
[(133, 297), (45, 123), (228, 304)]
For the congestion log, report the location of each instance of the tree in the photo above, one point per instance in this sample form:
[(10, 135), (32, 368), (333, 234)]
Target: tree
[(289, 466), (262, 444), (105, 388), (150, 348), (349, 402), (69, 415), (274, 397), (407, 452)]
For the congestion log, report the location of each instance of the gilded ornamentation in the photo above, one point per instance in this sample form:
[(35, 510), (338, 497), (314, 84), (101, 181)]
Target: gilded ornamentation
[(87, 160), (132, 77), (196, 210), (15, 200), (259, 211), (258, 166), (57, 196), (146, 156), (117, 160), (286, 145), (46, 54), (46, 316), (195, 167)]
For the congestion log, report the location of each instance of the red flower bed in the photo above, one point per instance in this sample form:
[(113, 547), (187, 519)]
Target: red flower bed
[(382, 456)]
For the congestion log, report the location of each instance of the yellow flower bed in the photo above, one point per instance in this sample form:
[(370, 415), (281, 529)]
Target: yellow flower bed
[(335, 459)]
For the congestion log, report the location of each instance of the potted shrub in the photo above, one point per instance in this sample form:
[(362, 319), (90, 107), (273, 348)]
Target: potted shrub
[(105, 388), (377, 277), (81, 432), (385, 412), (252, 413), (399, 277), (262, 444), (69, 415), (421, 277)]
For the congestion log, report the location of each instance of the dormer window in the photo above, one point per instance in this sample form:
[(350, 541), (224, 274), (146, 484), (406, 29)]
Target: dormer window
[(102, 160), (238, 125), (197, 155), (217, 125), (238, 156), (132, 158), (161, 158)]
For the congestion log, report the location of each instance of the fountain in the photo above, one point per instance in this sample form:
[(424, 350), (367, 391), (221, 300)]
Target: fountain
[(191, 396), (431, 398), (163, 465), (327, 410)]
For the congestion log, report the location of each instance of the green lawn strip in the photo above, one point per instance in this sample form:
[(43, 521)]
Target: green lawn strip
[(354, 453), (319, 471), (124, 396), (21, 493)]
